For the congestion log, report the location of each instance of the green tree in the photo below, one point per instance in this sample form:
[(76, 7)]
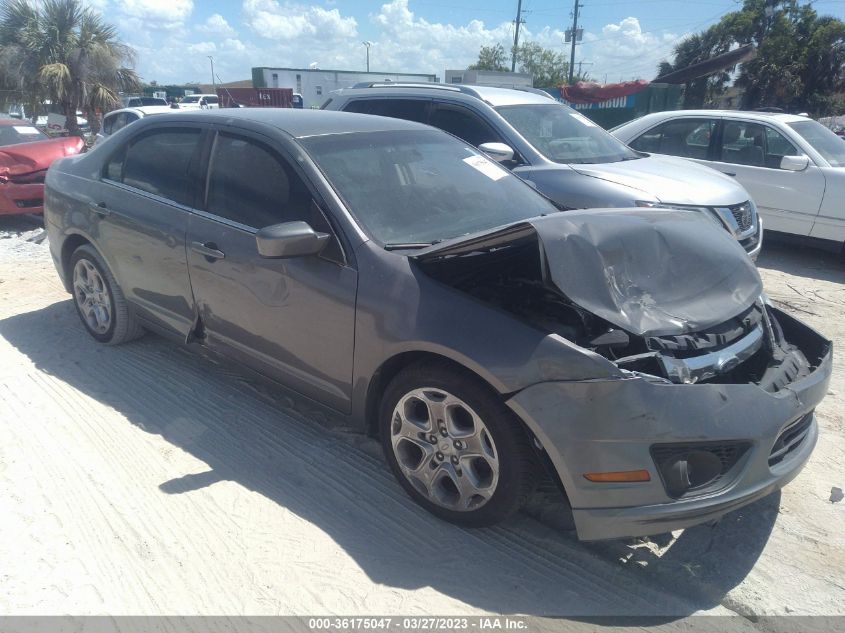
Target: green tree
[(490, 58), (62, 51), (799, 59), (548, 67)]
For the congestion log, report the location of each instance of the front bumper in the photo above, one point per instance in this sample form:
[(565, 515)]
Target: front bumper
[(612, 425), (17, 199)]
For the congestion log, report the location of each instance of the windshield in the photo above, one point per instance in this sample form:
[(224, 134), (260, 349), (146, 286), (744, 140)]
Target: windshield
[(16, 134), (190, 99), (565, 136), (825, 142), (420, 187)]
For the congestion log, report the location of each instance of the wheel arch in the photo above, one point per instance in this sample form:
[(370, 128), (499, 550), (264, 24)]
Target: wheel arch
[(69, 246)]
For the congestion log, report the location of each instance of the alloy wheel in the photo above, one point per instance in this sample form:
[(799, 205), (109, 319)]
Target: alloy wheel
[(92, 297), (444, 449)]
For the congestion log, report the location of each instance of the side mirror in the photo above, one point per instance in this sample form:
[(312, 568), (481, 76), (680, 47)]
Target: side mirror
[(290, 239), (794, 163), (499, 152)]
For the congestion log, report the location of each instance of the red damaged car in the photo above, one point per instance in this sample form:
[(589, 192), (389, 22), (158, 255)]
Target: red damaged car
[(25, 155)]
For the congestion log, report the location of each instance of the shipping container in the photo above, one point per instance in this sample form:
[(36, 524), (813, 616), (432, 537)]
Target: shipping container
[(255, 97)]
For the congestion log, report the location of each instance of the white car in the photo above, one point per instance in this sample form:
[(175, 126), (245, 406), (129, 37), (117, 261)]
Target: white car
[(199, 102), (793, 167), (119, 119)]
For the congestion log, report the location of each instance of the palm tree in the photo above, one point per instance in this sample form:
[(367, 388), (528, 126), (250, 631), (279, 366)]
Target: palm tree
[(62, 51)]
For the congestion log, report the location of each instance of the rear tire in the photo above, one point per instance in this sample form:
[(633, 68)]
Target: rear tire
[(454, 446), (99, 301)]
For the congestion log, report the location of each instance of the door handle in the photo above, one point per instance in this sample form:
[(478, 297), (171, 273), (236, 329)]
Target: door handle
[(101, 209), (730, 173), (208, 250)]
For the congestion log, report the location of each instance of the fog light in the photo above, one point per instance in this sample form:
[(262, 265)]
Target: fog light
[(689, 471), (621, 476)]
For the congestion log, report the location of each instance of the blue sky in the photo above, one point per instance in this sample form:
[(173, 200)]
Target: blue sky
[(622, 40)]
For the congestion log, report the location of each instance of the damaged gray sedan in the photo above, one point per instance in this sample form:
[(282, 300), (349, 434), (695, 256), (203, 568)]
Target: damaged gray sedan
[(392, 273)]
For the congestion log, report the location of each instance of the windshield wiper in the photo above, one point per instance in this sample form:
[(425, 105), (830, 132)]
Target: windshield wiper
[(398, 246)]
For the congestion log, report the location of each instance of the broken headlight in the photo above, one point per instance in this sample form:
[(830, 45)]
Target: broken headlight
[(707, 211)]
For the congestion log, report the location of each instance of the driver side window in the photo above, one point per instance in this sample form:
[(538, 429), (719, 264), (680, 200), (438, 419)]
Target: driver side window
[(252, 185), (464, 124)]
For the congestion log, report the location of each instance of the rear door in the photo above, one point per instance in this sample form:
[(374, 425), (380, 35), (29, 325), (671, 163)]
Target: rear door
[(684, 137), (292, 319), (142, 205), (788, 201)]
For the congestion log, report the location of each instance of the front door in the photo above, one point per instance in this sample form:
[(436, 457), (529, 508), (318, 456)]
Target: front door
[(292, 319), (788, 201)]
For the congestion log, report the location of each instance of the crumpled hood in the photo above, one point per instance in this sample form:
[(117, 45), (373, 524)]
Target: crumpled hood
[(36, 156), (672, 180), (650, 272)]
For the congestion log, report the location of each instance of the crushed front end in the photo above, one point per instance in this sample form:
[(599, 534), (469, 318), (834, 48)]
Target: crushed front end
[(709, 397), (745, 429)]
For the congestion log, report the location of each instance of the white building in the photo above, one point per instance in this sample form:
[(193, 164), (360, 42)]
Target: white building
[(489, 78), (315, 84)]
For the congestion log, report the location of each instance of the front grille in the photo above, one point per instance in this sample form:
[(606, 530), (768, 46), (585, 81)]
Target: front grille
[(30, 203), (742, 215), (790, 439), (716, 337), (728, 454)]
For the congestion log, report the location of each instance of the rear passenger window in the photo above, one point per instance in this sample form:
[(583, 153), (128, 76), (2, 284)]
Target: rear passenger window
[(688, 138), (251, 185), (158, 163), (408, 109)]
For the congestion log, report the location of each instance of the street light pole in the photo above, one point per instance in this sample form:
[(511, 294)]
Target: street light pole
[(367, 44), (213, 82)]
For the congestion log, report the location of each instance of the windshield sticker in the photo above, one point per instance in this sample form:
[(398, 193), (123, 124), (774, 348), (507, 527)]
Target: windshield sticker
[(546, 128), (25, 129), (491, 170), (582, 119)]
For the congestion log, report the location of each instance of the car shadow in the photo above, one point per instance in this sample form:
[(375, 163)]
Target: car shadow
[(788, 255), (274, 443)]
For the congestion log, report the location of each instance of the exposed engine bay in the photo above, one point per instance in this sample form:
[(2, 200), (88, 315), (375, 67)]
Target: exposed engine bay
[(749, 347)]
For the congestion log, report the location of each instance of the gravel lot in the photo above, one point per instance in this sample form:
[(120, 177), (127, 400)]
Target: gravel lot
[(145, 479)]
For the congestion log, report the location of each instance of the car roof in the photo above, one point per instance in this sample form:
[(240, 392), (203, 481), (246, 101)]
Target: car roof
[(732, 114), (296, 122), (493, 95), (145, 110)]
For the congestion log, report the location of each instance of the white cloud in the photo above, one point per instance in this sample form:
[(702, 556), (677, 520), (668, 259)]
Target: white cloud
[(168, 11), (202, 48), (216, 24), (270, 19), (625, 51)]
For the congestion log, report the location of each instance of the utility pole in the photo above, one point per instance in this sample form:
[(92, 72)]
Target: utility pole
[(213, 82), (368, 43), (518, 21), (578, 5)]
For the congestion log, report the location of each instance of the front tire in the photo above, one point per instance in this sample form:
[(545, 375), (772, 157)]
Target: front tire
[(99, 301), (455, 448)]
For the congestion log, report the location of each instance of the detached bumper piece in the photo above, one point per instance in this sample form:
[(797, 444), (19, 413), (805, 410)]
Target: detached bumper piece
[(744, 429)]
